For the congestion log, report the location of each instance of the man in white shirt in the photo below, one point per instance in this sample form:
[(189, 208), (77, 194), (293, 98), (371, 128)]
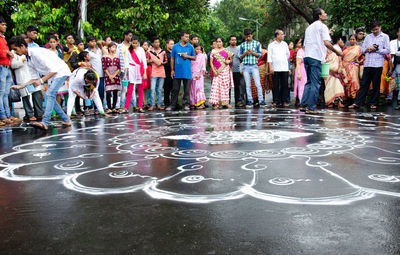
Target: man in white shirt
[(395, 52), (55, 71), (316, 42), (278, 64)]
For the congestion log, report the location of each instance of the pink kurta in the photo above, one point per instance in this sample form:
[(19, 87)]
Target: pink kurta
[(197, 96)]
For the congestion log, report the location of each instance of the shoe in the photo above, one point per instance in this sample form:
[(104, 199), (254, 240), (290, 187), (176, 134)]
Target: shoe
[(263, 104), (240, 104), (249, 105), (141, 110)]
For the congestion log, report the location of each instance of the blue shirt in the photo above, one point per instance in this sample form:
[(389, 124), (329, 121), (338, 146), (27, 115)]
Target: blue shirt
[(183, 67), (33, 45)]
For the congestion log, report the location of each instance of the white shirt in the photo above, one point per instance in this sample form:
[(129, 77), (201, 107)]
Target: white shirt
[(44, 61), (314, 46), (95, 60), (278, 55), (337, 47), (21, 69), (77, 80), (394, 47)]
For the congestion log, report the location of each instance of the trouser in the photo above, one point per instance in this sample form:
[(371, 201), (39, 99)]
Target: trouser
[(370, 74), (167, 89), (239, 89), (131, 94), (280, 89), (249, 70), (37, 100), (114, 95), (5, 86), (311, 88), (176, 86), (96, 99), (100, 90), (157, 87), (51, 102)]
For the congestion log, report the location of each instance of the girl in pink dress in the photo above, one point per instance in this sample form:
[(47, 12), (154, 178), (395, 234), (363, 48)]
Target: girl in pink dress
[(197, 96), (300, 74)]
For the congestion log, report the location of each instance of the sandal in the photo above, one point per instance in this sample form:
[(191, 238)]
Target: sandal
[(215, 107), (7, 121), (39, 125), (354, 106), (397, 107), (63, 124), (308, 111), (2, 123), (141, 110), (373, 107)]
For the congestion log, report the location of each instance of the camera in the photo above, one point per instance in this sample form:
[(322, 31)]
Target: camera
[(376, 46)]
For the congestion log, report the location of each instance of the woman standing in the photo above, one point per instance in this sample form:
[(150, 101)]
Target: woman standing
[(135, 71), (334, 84), (197, 96), (147, 82), (352, 59), (220, 61), (112, 70), (300, 74)]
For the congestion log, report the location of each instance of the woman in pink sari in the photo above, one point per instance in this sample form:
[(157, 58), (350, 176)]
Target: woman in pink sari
[(220, 61), (352, 59), (197, 96), (300, 74)]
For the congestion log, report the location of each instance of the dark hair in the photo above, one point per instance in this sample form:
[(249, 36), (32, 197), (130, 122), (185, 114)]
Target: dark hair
[(90, 75), (154, 38), (277, 32), (90, 38), (374, 24), (52, 32), (196, 45), (353, 35), (32, 28), (184, 33), (78, 41), (105, 37), (300, 39), (2, 20), (248, 31), (358, 30), (69, 34), (315, 13), (127, 32), (135, 38), (232, 35), (53, 37), (143, 42), (111, 44), (219, 37), (194, 36), (17, 41), (168, 40), (83, 55)]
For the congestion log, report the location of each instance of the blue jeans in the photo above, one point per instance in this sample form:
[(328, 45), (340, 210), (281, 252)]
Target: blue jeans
[(51, 103), (157, 87), (252, 70), (311, 89), (5, 86)]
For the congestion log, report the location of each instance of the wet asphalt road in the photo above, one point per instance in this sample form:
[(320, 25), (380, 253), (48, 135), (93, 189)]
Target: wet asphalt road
[(206, 182)]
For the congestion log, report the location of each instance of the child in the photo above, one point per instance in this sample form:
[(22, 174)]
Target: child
[(197, 96), (74, 60), (147, 82), (84, 59), (112, 70)]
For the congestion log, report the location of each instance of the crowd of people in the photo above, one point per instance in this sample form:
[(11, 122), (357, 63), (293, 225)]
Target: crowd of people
[(104, 77)]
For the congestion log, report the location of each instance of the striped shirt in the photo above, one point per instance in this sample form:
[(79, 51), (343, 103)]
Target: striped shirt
[(250, 59), (376, 59)]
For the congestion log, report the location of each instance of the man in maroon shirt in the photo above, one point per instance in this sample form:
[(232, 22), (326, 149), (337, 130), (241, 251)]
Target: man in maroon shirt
[(5, 77)]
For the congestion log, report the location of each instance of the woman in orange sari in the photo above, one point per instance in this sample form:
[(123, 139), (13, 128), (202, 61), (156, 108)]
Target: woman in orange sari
[(352, 59)]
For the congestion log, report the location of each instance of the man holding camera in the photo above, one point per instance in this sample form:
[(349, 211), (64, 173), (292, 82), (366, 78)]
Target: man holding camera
[(376, 45)]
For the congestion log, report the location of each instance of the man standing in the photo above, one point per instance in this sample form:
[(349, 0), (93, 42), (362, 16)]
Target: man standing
[(316, 42), (250, 51), (278, 64), (95, 59), (5, 77), (122, 48), (376, 45), (32, 33), (158, 60), (181, 70), (239, 90), (167, 68), (55, 71)]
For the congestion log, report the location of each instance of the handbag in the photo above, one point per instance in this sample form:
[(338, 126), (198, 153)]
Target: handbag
[(14, 96)]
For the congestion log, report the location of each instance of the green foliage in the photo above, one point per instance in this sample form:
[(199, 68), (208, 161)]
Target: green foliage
[(358, 13)]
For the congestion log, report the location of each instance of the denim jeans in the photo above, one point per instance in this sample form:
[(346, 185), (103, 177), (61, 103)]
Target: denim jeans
[(51, 103), (5, 86), (311, 89), (157, 88), (252, 70)]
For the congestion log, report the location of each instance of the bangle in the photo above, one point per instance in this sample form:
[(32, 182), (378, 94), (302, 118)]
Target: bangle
[(41, 81)]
